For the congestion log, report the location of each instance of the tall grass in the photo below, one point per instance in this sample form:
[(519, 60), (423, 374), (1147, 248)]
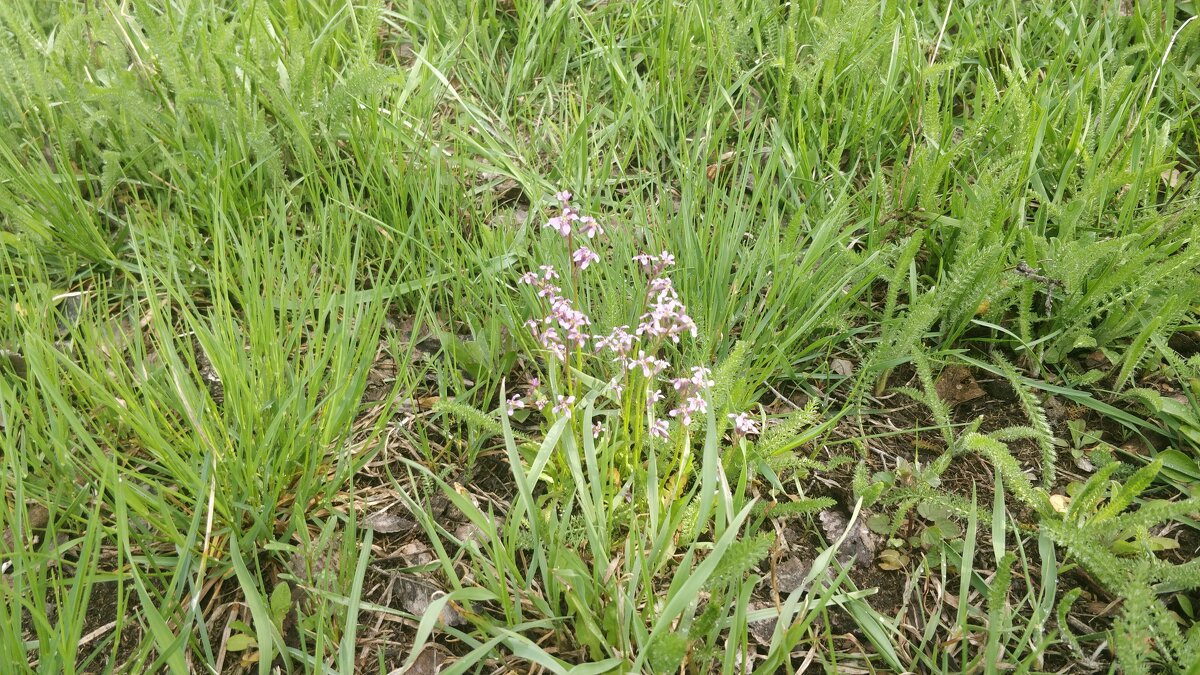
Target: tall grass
[(213, 215)]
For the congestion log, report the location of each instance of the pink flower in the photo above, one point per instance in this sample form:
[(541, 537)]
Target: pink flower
[(551, 341), (563, 407), (530, 278), (563, 196), (584, 256), (540, 403), (658, 429), (743, 425), (667, 316), (702, 377), (571, 320), (559, 224), (514, 404), (619, 341), (577, 336), (692, 405), (617, 386), (654, 264), (548, 272), (590, 227), (686, 325), (648, 363), (662, 285), (597, 429), (653, 397)]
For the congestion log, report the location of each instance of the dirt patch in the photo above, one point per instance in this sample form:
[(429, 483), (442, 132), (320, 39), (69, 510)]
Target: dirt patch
[(100, 627), (105, 640)]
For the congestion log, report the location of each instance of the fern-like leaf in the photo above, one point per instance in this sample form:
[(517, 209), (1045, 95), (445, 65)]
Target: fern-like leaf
[(1037, 419)]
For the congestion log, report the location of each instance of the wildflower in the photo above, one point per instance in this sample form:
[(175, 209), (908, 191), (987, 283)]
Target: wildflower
[(551, 341), (654, 265), (684, 325), (658, 429), (515, 403), (684, 415), (571, 320), (577, 336), (590, 227), (691, 405), (549, 336), (559, 224), (661, 286), (743, 425), (619, 341), (530, 278), (650, 365), (617, 386), (667, 316), (653, 397), (534, 383), (597, 429), (563, 407), (563, 196), (584, 256), (548, 272), (540, 403), (702, 377)]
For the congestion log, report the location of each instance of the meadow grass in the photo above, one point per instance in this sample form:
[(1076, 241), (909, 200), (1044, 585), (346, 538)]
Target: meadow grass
[(262, 312)]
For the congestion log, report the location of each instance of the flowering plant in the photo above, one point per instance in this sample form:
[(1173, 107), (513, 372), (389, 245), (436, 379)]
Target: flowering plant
[(656, 404), (619, 529)]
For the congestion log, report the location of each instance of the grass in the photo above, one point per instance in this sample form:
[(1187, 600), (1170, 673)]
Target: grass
[(261, 313)]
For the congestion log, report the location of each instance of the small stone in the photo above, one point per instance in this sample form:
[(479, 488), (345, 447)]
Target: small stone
[(956, 385), (789, 575), (859, 545), (842, 367), (415, 595), (428, 663), (388, 523)]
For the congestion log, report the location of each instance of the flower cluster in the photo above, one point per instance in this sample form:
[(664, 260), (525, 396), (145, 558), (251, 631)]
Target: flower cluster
[(743, 425), (667, 316), (691, 394), (565, 223), (563, 316), (633, 351), (563, 407), (619, 341)]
